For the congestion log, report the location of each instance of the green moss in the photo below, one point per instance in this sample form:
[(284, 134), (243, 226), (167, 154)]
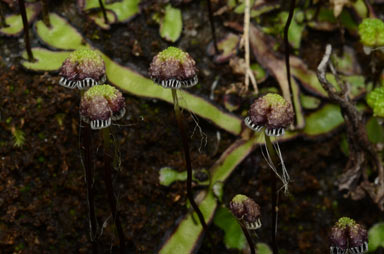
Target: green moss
[(344, 222), (85, 54), (239, 198), (172, 53), (105, 91), (18, 138), (375, 100), (371, 32)]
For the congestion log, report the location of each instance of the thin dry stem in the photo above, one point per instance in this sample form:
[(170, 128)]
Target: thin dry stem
[(248, 72), (361, 151)]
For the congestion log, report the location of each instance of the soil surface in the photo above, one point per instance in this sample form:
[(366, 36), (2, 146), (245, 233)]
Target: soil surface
[(43, 197)]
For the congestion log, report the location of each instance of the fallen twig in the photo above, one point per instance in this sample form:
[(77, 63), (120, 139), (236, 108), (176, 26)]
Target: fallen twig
[(361, 151)]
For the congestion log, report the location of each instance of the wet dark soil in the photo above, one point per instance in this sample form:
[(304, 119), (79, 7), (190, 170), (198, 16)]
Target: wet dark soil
[(43, 202)]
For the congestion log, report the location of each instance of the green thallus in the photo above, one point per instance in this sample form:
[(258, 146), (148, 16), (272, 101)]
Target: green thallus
[(100, 105), (347, 236), (82, 69)]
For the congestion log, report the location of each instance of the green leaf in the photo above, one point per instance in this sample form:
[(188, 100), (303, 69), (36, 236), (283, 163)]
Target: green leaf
[(171, 24), (309, 102), (259, 72), (125, 9), (324, 120), (46, 60), (99, 20), (167, 176), (15, 22), (233, 237), (262, 248), (309, 80), (376, 237), (375, 131), (60, 35)]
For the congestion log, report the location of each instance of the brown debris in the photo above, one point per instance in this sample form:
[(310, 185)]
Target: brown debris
[(361, 151)]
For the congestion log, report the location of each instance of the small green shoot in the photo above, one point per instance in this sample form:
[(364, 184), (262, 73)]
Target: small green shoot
[(18, 137)]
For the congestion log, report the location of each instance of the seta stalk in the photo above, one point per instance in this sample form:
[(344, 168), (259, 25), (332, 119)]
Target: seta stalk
[(247, 212), (275, 208), (3, 23), (286, 42), (26, 30), (45, 13), (187, 157), (249, 239), (213, 30), (108, 159), (103, 11), (86, 147)]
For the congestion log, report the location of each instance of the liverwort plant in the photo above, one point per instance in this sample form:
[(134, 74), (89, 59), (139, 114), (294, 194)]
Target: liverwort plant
[(99, 106), (82, 69), (272, 113), (247, 211), (248, 214), (347, 236), (175, 69)]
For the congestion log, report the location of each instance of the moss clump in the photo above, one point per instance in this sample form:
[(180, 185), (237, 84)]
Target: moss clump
[(85, 54), (106, 91), (371, 32), (375, 100), (172, 53)]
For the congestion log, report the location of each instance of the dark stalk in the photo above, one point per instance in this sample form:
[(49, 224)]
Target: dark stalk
[(187, 157), (371, 12), (86, 147), (46, 20), (108, 159), (249, 238), (275, 208), (286, 42), (3, 23), (26, 30), (103, 11), (213, 30)]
